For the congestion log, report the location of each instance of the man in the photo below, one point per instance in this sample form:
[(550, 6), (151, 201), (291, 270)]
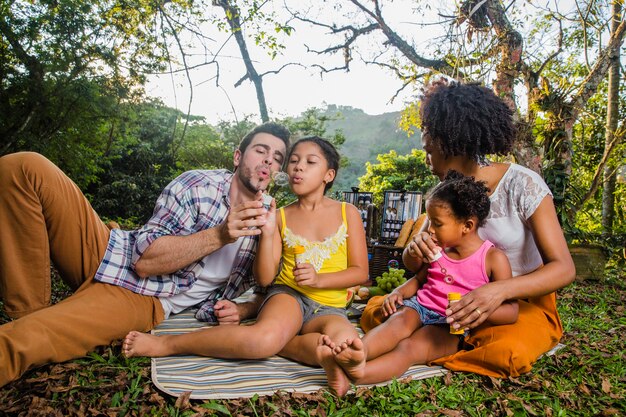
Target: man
[(197, 248)]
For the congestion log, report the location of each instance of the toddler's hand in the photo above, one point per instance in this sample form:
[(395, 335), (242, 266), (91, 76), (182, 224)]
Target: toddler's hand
[(391, 302)]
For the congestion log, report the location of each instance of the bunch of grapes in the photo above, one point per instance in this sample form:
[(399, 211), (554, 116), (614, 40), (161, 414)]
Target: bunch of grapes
[(391, 279)]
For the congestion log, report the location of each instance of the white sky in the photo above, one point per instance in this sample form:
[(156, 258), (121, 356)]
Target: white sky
[(297, 88), (288, 93)]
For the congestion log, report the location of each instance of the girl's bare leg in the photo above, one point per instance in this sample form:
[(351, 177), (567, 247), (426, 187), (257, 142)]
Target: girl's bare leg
[(278, 322), (302, 348), (425, 344), (352, 354)]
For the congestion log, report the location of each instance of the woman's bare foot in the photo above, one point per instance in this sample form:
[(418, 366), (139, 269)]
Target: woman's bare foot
[(337, 379), (351, 358), (144, 344)]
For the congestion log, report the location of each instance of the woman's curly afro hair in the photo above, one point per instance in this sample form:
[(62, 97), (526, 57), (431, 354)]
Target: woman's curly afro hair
[(465, 196), (466, 119)]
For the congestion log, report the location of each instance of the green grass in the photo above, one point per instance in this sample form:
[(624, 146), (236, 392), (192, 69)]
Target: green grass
[(586, 378)]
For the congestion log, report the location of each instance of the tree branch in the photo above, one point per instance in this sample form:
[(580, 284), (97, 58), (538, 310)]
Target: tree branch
[(234, 21), (407, 50), (188, 75), (598, 72), (555, 53)]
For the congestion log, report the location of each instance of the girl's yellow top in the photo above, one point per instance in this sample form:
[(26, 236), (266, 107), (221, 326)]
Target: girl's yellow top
[(330, 255)]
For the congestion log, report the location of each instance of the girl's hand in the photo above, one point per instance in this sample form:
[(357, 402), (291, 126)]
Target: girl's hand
[(392, 300), (305, 275), (475, 307), (423, 247)]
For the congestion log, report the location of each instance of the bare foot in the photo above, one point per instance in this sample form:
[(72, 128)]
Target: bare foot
[(351, 358), (144, 344), (337, 379)]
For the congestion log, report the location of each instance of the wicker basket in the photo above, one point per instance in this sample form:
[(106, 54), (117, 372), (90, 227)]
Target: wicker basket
[(381, 255)]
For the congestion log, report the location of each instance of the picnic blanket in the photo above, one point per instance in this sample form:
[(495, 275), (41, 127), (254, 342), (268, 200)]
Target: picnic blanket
[(211, 378)]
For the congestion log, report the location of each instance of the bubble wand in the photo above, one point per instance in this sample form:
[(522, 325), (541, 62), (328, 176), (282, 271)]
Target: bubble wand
[(279, 179)]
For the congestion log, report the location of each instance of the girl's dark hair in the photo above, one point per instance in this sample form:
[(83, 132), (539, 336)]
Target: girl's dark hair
[(328, 149), (465, 196), (466, 119)]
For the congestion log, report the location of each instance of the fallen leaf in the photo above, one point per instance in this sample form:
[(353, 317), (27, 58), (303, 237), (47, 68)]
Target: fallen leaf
[(606, 385), (182, 402), (583, 387), (496, 382), (451, 413)]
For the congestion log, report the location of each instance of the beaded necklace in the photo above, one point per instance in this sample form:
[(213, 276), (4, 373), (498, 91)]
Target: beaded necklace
[(447, 278)]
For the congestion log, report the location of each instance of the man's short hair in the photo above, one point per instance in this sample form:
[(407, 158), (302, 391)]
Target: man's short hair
[(271, 128)]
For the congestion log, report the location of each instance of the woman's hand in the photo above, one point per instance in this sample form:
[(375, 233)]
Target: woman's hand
[(423, 247), (475, 307), (391, 303), (305, 275)]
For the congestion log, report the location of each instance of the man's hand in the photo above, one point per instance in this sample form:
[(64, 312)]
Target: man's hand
[(227, 312), (243, 220)]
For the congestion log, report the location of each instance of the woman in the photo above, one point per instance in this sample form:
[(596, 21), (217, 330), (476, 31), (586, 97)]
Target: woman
[(461, 124)]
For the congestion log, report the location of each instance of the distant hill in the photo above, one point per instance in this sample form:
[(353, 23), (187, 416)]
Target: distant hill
[(366, 137)]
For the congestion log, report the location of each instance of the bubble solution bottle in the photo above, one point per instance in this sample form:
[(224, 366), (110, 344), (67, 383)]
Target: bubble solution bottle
[(297, 254), (454, 297)]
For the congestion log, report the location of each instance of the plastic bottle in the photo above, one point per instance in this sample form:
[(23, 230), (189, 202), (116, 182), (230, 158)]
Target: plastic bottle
[(454, 297), (267, 201), (297, 254)]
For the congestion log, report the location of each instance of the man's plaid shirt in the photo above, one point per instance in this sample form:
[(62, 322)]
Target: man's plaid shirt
[(194, 201)]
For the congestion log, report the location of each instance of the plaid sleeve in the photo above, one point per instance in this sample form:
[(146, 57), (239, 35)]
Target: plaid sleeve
[(174, 214)]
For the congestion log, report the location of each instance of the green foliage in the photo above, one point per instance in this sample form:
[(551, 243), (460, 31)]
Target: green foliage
[(204, 148), (67, 70), (584, 218), (397, 172), (140, 164), (51, 48), (366, 137)]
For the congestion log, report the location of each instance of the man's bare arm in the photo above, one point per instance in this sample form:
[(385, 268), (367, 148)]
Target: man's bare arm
[(169, 254)]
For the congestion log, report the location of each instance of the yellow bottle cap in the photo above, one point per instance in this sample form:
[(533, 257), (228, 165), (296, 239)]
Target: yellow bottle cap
[(454, 296)]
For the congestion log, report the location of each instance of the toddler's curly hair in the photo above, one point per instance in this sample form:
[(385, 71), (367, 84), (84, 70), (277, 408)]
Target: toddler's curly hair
[(465, 196)]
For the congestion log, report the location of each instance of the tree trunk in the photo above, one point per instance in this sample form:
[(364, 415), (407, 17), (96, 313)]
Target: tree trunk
[(234, 20), (511, 45), (608, 189)]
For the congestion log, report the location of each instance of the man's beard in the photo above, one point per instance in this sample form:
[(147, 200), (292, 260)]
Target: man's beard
[(245, 176)]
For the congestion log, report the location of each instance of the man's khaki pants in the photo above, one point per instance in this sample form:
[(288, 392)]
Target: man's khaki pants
[(43, 216)]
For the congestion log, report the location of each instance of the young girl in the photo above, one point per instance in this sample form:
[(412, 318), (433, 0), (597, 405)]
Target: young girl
[(308, 298), (419, 331)]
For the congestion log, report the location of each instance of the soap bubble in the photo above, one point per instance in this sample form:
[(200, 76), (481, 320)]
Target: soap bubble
[(280, 178), (393, 264)]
